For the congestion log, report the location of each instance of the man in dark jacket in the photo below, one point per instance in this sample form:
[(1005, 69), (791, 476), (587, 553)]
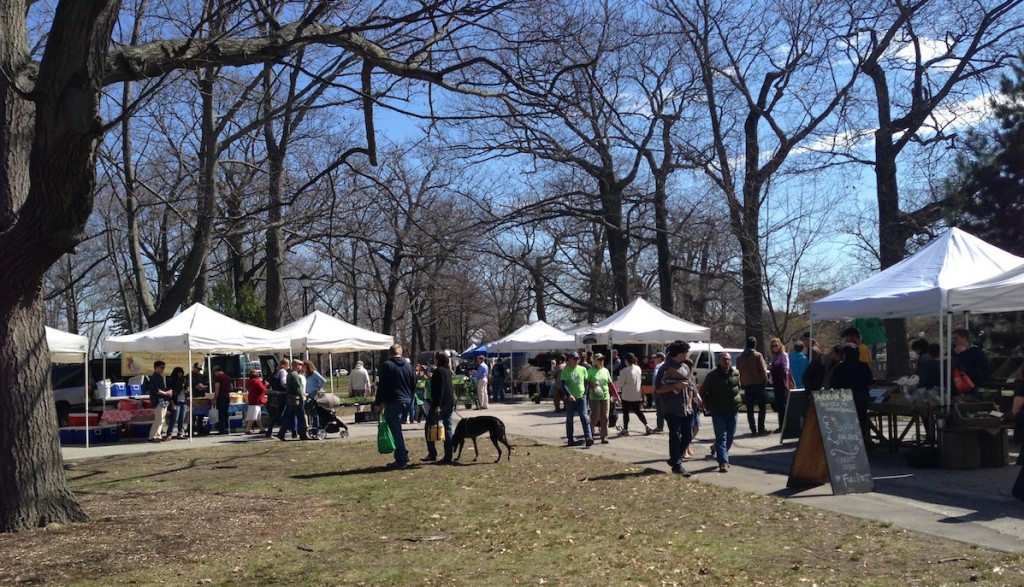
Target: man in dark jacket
[(394, 394), (721, 394)]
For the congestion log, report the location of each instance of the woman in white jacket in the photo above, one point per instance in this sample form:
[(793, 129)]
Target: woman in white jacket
[(629, 389)]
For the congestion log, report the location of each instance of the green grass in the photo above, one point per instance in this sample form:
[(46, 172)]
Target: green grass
[(264, 513)]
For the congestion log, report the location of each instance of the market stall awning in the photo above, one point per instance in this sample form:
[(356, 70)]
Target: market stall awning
[(918, 285), (1002, 293), (199, 328), (320, 332), (640, 323), (66, 347), (539, 336)]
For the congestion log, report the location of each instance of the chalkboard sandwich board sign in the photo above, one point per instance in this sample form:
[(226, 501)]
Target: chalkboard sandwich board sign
[(831, 448)]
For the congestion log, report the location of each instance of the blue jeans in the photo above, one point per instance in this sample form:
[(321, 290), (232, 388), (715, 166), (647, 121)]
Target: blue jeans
[(725, 431), (679, 436), (445, 417), (393, 413), (294, 419), (573, 409), (180, 418)]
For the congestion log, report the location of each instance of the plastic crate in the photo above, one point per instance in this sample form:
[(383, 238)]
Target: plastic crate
[(77, 435)]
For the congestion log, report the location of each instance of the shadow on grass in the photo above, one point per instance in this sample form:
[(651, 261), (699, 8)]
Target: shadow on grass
[(645, 472), (193, 463), (349, 472)]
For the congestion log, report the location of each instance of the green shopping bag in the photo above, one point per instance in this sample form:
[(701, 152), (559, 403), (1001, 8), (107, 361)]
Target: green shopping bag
[(385, 442)]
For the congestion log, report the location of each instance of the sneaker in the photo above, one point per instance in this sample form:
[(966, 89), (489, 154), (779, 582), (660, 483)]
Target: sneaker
[(572, 443), (428, 459), (604, 441), (648, 431), (624, 433), (590, 442), (681, 471), (723, 468)]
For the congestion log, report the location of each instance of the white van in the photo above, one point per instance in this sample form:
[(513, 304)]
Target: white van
[(703, 363)]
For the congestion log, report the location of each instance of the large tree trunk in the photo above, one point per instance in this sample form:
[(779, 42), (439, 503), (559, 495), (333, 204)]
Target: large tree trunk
[(892, 232), (661, 244), (47, 174), (33, 489)]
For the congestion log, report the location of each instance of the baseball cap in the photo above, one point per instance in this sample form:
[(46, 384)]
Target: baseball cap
[(659, 355), (573, 355), (598, 357)]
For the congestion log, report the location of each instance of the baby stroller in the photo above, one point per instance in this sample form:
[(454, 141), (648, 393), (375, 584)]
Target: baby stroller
[(323, 417)]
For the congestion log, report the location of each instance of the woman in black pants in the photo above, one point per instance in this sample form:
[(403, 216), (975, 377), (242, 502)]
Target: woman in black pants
[(628, 383), (753, 379)]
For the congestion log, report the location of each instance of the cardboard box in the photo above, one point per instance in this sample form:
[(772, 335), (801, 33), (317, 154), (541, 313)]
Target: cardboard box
[(965, 415), (994, 447), (960, 449)]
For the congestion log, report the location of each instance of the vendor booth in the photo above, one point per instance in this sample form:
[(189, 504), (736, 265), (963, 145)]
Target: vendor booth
[(322, 333), (66, 347), (199, 329), (923, 284), (532, 338)]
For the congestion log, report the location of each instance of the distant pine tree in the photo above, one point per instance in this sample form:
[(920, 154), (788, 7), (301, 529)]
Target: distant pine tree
[(987, 192)]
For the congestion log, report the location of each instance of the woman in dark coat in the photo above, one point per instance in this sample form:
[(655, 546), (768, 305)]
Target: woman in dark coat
[(442, 404)]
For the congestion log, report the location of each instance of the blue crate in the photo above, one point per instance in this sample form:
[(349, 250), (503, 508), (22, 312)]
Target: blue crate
[(97, 434)]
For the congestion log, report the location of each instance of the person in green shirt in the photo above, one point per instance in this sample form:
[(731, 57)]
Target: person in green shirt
[(574, 379), (598, 379)]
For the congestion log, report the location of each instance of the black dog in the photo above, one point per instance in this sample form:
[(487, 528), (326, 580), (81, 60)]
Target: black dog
[(473, 427)]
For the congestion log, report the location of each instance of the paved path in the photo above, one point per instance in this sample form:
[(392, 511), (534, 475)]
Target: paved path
[(971, 506)]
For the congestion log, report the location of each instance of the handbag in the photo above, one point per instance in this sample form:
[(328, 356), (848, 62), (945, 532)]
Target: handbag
[(435, 433), (962, 382), (385, 442)]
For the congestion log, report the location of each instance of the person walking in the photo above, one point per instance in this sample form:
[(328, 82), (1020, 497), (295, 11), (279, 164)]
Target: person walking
[(358, 381), (558, 389), (294, 417), (278, 385), (574, 380), (598, 378), (394, 395), (256, 397), (659, 408), (721, 393), (442, 400), (499, 373), (673, 384), (628, 383), (754, 379), (854, 374)]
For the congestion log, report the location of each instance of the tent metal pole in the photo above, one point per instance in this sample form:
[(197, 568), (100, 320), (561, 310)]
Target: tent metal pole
[(191, 394), (330, 369), (85, 357)]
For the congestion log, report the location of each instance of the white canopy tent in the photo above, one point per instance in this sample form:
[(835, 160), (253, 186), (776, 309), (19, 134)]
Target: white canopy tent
[(640, 323), (320, 332), (920, 284), (324, 333), (198, 328), (66, 347), (539, 336), (1002, 293)]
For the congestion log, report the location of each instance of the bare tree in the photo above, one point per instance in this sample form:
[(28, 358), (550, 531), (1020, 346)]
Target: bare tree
[(48, 156), (769, 83)]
